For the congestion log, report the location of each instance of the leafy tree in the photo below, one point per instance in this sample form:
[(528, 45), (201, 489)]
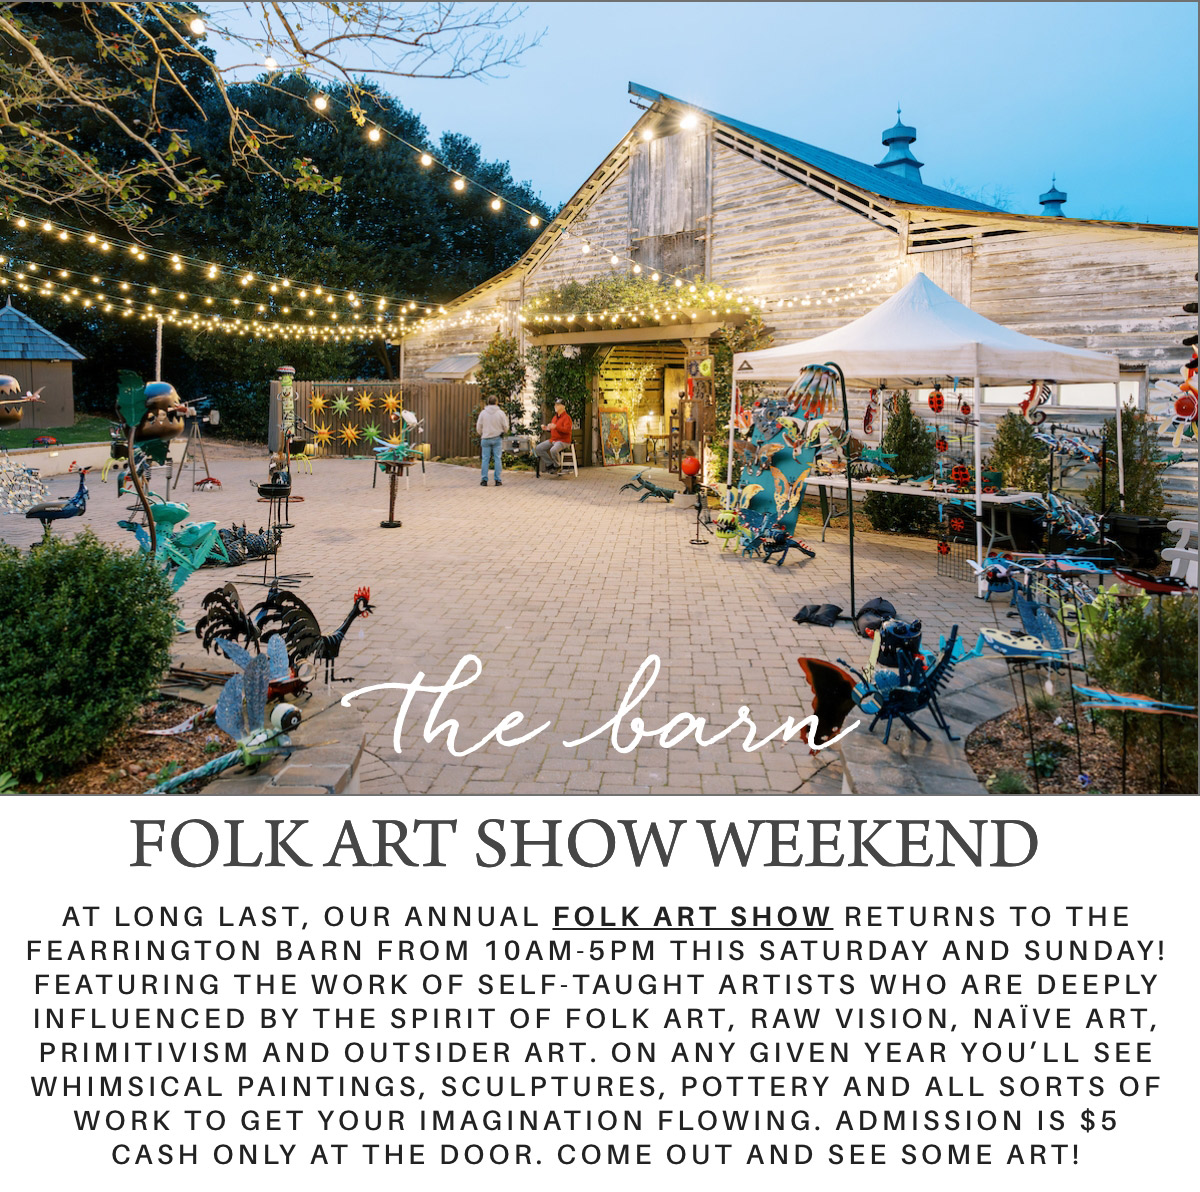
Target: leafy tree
[(92, 96), (559, 377), (907, 438), (1024, 461), (501, 374), (1143, 458)]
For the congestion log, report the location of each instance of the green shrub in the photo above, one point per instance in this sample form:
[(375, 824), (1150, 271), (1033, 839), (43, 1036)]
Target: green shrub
[(1024, 461), (906, 438), (85, 636), (1126, 650), (1143, 458)]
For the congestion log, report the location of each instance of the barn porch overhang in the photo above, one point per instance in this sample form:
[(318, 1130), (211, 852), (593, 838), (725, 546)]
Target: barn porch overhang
[(636, 335)]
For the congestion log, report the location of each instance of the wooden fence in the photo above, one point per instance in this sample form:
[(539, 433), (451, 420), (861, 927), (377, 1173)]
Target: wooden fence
[(350, 418)]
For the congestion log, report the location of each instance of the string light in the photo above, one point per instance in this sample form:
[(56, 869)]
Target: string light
[(373, 135), (534, 221), (459, 184), (320, 102), (495, 204), (426, 160), (197, 26), (270, 63)]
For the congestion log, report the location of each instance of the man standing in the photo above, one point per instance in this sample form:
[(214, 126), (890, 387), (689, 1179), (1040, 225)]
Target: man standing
[(491, 424), (560, 427)]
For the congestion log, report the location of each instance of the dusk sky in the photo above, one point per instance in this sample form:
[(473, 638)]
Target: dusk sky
[(1002, 95)]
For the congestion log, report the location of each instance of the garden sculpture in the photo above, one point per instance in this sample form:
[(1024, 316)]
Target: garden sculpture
[(779, 542), (241, 713), (285, 613), (52, 511), (152, 414), (13, 402), (180, 549), (20, 487), (237, 545), (651, 489), (882, 693), (225, 620)]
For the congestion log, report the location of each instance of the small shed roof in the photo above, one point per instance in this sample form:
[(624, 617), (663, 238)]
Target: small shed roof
[(453, 368), (23, 339)]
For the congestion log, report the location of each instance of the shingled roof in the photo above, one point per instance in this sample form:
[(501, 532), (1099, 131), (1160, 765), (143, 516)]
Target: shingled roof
[(23, 339), (885, 183)]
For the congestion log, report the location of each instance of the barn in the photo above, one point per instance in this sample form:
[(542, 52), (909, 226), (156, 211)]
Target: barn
[(40, 361), (815, 239)]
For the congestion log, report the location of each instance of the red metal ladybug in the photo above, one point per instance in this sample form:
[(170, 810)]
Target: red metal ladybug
[(941, 444), (961, 475), (957, 525), (937, 400), (943, 548)]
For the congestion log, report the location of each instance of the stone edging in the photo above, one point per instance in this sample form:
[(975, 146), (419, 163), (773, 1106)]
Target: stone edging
[(910, 765), (326, 760)]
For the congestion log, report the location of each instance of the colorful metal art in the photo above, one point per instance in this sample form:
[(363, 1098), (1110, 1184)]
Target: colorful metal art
[(52, 511), (648, 488)]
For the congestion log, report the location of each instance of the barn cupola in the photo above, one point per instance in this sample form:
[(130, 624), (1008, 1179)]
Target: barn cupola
[(899, 157), (1052, 201)]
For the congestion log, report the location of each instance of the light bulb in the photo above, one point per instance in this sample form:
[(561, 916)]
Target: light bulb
[(495, 204), (678, 283), (647, 134), (534, 221), (586, 247), (637, 268), (374, 135), (47, 226), (689, 121), (320, 103), (270, 62), (104, 246), (21, 223), (197, 26), (654, 277), (614, 260), (459, 184), (426, 160)]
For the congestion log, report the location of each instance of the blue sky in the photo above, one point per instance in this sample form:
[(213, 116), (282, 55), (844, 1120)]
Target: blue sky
[(1002, 95)]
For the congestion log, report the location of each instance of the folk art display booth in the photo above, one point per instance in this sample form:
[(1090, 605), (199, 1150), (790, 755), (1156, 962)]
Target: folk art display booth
[(919, 334)]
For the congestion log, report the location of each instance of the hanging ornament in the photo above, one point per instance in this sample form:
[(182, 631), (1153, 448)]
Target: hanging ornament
[(937, 400), (940, 444), (869, 413), (960, 474)]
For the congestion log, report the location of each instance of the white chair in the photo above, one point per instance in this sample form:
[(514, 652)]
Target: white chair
[(1183, 556), (565, 457)]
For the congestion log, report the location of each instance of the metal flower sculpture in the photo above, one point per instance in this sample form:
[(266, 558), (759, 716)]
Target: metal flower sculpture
[(317, 403), (395, 438), (364, 403), (349, 434), (324, 434), (341, 405)]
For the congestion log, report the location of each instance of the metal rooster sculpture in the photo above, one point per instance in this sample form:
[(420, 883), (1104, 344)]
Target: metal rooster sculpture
[(286, 614), (225, 620), (52, 511)]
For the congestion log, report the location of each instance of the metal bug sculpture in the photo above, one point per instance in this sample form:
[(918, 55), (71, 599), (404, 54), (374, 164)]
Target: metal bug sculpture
[(639, 483), (779, 542)]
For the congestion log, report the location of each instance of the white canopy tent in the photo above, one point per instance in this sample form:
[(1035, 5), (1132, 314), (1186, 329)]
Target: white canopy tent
[(922, 333)]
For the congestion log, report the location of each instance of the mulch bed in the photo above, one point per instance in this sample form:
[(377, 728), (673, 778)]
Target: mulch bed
[(1002, 745), (131, 762)]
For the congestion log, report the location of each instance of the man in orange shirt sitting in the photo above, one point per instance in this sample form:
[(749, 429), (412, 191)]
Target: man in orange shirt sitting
[(560, 427)]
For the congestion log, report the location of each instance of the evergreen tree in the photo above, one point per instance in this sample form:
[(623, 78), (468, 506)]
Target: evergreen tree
[(907, 438)]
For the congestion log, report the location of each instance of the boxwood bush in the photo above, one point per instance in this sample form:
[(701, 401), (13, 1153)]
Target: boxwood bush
[(85, 636)]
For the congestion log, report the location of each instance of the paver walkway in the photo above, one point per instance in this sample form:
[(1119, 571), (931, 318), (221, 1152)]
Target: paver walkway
[(562, 588)]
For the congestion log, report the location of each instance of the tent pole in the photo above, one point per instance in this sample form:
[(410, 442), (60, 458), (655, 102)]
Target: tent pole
[(733, 401), (849, 484), (1120, 449), (978, 472)]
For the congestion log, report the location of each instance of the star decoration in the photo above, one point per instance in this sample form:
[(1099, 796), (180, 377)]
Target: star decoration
[(318, 402), (391, 402), (370, 432), (395, 439), (349, 434), (364, 403), (324, 434), (341, 405)]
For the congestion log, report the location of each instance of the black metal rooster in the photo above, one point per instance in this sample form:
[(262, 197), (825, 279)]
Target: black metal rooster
[(225, 618), (286, 614)]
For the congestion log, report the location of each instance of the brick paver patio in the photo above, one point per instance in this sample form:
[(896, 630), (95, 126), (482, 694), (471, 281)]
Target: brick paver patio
[(562, 587)]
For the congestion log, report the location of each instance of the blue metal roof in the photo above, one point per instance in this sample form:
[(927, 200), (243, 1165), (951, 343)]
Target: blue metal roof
[(23, 339), (885, 183)]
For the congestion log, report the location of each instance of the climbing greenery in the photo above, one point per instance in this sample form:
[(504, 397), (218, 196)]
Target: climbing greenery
[(906, 438), (559, 377), (747, 337), (1144, 463), (1024, 462), (501, 374), (84, 640)]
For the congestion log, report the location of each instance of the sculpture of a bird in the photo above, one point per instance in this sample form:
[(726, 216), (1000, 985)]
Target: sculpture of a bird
[(52, 511), (225, 619), (285, 613)]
